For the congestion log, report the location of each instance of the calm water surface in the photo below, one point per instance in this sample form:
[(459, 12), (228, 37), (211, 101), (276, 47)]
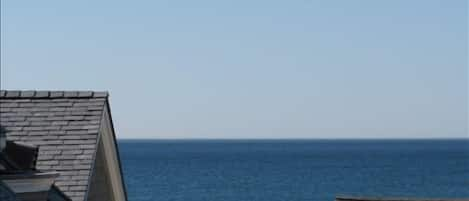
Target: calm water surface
[(293, 170)]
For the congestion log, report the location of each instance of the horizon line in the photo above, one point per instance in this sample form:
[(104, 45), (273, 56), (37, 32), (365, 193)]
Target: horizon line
[(416, 138)]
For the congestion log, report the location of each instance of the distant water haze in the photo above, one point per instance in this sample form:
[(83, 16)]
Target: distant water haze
[(251, 69)]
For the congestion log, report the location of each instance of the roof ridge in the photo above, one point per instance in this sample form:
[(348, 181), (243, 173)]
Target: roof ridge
[(17, 94)]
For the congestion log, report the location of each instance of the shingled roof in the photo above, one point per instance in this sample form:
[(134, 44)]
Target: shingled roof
[(64, 125)]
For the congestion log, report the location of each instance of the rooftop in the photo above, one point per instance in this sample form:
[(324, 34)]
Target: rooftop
[(14, 94), (64, 125)]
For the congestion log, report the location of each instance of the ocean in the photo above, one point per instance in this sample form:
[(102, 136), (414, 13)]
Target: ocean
[(293, 170)]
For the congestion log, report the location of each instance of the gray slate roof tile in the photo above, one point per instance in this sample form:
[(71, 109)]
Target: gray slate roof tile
[(12, 93), (28, 94), (64, 126)]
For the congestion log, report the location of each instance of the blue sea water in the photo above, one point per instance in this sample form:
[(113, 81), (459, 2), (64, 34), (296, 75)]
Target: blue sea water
[(293, 170)]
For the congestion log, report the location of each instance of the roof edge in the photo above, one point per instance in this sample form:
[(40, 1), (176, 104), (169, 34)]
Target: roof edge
[(121, 171), (39, 94)]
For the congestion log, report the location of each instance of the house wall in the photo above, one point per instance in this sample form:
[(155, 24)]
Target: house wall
[(100, 187), (107, 182)]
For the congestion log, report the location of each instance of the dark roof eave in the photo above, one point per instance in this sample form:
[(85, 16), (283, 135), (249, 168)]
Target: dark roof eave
[(28, 175)]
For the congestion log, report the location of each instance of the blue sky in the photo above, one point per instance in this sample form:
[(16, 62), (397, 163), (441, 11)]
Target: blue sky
[(250, 69)]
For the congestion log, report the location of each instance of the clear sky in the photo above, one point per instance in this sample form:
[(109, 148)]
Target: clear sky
[(250, 69)]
